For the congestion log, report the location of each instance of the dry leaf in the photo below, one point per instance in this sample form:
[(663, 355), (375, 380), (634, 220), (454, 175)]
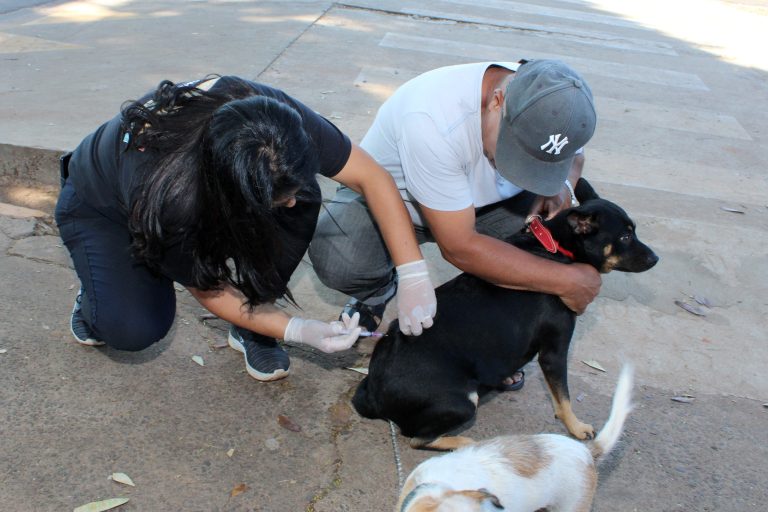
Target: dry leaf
[(237, 490), (101, 506), (702, 300), (359, 369), (288, 423), (122, 478), (594, 364), (230, 452), (696, 310), (732, 210), (340, 414), (683, 399), (198, 360)]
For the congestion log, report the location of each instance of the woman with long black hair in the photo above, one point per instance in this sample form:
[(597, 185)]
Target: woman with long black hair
[(212, 184)]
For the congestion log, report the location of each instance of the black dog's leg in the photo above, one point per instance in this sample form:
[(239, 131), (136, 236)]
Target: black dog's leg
[(444, 417), (554, 364)]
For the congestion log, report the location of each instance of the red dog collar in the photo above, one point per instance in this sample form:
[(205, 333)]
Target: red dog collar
[(543, 235)]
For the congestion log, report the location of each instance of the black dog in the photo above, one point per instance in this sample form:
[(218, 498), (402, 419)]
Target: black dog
[(428, 385)]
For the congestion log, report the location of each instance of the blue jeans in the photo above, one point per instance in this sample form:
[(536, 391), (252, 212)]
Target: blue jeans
[(349, 254), (128, 306)]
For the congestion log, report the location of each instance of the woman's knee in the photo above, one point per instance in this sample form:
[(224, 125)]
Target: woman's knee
[(133, 334)]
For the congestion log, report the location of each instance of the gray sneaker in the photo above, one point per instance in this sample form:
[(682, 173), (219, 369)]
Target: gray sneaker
[(79, 327), (265, 359)]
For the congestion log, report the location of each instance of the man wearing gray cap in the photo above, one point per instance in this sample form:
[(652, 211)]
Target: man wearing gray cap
[(473, 148)]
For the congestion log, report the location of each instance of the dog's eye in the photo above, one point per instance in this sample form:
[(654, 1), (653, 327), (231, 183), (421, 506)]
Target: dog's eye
[(626, 238)]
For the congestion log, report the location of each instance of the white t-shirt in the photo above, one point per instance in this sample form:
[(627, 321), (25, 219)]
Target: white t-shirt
[(428, 136)]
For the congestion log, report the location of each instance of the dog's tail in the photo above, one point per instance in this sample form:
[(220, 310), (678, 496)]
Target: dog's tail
[(622, 405)]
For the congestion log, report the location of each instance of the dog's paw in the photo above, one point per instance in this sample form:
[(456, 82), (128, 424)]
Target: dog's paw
[(582, 431)]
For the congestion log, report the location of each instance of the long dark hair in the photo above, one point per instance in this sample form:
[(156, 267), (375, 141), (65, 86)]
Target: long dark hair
[(222, 159)]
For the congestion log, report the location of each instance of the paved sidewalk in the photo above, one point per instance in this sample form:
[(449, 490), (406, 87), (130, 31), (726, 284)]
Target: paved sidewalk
[(680, 144)]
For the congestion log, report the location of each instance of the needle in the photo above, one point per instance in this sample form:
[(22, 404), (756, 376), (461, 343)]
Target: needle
[(365, 333)]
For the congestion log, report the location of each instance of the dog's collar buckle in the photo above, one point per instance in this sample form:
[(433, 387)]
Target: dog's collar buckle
[(544, 236)]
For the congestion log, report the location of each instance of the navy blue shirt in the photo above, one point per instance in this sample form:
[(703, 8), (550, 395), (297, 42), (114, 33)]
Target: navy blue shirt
[(106, 173)]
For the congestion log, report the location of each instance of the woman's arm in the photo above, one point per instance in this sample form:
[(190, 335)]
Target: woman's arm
[(268, 320), (366, 177), (416, 301)]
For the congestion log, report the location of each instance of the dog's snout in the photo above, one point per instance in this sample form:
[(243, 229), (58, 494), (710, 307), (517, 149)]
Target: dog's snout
[(652, 259)]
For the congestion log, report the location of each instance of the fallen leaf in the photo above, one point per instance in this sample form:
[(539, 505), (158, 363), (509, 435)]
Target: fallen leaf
[(198, 360), (696, 310), (358, 369), (594, 364), (340, 414), (702, 300), (288, 423), (122, 478), (230, 452), (732, 210), (101, 506), (683, 399), (237, 490)]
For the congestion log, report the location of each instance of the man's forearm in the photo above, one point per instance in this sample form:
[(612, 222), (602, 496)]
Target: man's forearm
[(505, 265)]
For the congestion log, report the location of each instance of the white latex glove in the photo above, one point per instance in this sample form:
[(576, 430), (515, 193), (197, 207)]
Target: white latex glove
[(416, 302), (325, 336)]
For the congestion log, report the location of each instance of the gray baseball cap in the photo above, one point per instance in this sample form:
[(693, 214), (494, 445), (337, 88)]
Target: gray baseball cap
[(548, 115)]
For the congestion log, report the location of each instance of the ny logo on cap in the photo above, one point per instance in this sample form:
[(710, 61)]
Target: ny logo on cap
[(556, 143)]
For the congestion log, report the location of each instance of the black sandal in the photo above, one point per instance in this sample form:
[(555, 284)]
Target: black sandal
[(515, 386)]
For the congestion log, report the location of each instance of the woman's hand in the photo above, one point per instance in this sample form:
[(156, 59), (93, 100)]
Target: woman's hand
[(416, 302), (325, 336)]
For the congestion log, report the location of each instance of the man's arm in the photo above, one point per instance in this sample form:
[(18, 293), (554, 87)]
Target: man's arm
[(504, 265)]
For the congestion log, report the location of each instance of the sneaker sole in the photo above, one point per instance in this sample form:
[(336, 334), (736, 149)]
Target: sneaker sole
[(234, 343)]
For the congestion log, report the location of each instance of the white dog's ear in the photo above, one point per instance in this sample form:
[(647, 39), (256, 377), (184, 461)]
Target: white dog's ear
[(492, 499), (488, 501)]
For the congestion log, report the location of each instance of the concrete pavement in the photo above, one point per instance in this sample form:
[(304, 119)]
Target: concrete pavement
[(680, 144)]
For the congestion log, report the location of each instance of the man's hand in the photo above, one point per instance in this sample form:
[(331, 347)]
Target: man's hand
[(549, 206), (582, 287), (327, 337)]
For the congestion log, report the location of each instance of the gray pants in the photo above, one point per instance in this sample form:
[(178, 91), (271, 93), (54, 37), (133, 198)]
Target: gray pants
[(349, 254)]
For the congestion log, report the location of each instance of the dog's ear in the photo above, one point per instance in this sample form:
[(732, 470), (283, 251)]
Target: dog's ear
[(582, 223), (584, 191), (482, 496), (492, 498)]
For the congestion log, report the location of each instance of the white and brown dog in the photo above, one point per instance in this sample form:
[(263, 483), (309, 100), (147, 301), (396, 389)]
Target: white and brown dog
[(517, 473)]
